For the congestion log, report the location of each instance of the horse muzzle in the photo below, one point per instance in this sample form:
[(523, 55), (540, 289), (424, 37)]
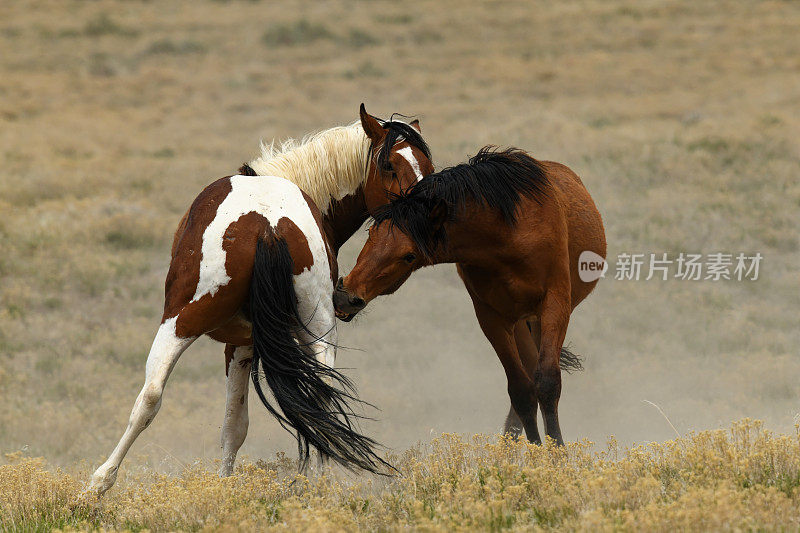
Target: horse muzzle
[(346, 305)]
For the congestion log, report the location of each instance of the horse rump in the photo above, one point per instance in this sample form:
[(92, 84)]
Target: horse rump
[(314, 399)]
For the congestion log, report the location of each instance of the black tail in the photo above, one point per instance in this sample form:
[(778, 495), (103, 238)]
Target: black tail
[(317, 410), (570, 362)]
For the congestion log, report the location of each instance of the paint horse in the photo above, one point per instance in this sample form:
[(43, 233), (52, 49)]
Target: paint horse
[(515, 227), (253, 266)]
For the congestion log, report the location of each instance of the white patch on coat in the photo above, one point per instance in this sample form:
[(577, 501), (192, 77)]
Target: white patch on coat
[(274, 198), (408, 154)]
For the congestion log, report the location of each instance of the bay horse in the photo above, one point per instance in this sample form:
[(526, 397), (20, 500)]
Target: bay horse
[(254, 265), (515, 227)]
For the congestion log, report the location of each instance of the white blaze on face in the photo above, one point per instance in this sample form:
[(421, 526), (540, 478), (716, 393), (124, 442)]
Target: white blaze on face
[(408, 154), (274, 198)]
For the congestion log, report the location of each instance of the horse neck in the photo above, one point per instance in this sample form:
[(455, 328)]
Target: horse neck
[(344, 217), (469, 236)]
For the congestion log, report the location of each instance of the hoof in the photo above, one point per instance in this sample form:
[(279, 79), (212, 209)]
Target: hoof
[(513, 432), (102, 480), (226, 470), (86, 505)]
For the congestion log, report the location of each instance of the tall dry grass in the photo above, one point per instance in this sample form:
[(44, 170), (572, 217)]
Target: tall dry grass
[(743, 478)]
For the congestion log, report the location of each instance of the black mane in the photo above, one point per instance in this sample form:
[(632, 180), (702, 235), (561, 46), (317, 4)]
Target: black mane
[(399, 131), (496, 179)]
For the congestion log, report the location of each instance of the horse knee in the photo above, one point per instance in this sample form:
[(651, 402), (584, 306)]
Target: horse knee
[(548, 387), (151, 397)]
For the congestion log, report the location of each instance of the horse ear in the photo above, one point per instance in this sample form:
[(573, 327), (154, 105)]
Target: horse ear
[(372, 127), (415, 124), (438, 214)]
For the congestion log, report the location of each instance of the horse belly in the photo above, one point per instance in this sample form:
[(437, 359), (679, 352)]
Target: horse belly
[(238, 331), (508, 295)]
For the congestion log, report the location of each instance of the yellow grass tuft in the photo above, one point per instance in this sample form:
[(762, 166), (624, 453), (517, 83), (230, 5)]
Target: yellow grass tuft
[(742, 478)]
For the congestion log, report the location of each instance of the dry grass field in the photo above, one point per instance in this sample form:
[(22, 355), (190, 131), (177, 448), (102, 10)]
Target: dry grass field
[(741, 479), (683, 120)]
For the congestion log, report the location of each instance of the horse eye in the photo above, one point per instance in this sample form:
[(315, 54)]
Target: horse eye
[(410, 258)]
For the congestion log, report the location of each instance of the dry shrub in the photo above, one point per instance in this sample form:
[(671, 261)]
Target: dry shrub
[(742, 478)]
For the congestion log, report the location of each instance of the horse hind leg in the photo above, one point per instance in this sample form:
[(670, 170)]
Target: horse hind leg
[(547, 379), (318, 338), (164, 353), (513, 425), (527, 337), (234, 428)]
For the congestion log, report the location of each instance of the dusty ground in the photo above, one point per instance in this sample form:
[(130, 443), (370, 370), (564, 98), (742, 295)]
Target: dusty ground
[(681, 117)]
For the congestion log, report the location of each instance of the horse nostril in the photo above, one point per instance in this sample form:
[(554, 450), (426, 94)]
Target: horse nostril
[(355, 301), (340, 284)]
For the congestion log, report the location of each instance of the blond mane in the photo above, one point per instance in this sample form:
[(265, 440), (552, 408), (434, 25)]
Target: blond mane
[(327, 165)]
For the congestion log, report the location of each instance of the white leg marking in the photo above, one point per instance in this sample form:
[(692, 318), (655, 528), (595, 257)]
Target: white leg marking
[(234, 429), (408, 154), (164, 353), (323, 347), (321, 343)]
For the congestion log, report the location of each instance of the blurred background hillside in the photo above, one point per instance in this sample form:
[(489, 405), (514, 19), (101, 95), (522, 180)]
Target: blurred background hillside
[(681, 117)]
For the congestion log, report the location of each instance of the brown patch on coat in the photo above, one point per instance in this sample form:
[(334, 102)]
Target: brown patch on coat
[(217, 314), (237, 331), (298, 245), (220, 315), (184, 270), (229, 349)]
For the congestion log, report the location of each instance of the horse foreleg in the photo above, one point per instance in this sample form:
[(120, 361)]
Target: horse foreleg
[(234, 428), (554, 320), (164, 353)]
